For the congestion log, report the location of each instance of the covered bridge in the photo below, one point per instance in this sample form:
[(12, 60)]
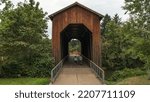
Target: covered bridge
[(76, 22)]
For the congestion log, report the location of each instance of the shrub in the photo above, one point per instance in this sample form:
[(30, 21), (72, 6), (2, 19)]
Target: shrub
[(11, 69), (121, 74), (40, 68)]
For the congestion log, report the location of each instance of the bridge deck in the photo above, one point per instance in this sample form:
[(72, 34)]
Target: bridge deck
[(75, 74)]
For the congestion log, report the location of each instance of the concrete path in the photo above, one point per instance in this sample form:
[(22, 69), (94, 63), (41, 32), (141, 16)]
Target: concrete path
[(75, 74)]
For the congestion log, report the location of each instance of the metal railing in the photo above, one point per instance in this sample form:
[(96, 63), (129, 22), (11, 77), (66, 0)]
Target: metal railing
[(98, 71), (56, 70)]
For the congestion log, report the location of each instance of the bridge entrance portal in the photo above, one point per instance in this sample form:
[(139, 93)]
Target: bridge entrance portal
[(76, 22)]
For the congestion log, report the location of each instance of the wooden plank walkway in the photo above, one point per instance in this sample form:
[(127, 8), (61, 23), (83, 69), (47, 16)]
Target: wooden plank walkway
[(75, 74)]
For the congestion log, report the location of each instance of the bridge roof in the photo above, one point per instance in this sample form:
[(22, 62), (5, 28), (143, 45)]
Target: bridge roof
[(76, 4)]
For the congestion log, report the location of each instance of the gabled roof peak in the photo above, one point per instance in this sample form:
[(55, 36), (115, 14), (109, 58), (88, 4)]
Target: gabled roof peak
[(74, 4)]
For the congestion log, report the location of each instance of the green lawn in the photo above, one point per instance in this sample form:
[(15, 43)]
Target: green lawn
[(24, 81)]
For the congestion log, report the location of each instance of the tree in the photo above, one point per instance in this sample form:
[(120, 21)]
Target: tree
[(106, 20), (117, 19), (139, 11), (117, 47), (25, 45), (112, 44), (4, 22)]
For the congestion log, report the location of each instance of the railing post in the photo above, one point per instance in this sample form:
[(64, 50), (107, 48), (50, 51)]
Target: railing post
[(103, 77), (90, 64), (51, 77)]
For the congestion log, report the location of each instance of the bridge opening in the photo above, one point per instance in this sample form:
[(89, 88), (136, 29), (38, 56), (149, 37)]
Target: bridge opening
[(76, 33), (74, 47)]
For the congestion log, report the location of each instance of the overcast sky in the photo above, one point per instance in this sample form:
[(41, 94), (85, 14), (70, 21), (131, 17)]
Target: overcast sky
[(110, 7)]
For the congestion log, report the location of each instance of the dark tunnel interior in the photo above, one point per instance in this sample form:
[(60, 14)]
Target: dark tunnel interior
[(80, 32)]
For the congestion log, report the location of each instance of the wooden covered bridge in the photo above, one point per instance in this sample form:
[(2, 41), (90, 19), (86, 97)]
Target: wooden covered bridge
[(76, 22)]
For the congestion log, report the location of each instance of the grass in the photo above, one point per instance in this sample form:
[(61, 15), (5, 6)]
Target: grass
[(24, 81), (136, 80)]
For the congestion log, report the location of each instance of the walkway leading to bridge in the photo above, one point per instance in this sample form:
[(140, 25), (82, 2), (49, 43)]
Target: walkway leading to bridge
[(76, 74)]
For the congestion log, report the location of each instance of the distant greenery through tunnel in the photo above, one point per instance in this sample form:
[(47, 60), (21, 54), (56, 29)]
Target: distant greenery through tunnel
[(74, 47)]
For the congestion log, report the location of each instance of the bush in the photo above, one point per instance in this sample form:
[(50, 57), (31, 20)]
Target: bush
[(11, 69), (37, 72), (41, 68), (121, 74)]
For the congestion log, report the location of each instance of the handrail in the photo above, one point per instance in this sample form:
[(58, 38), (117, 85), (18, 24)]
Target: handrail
[(56, 70), (98, 70)]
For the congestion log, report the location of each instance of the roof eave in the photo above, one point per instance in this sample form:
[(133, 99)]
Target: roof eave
[(51, 17)]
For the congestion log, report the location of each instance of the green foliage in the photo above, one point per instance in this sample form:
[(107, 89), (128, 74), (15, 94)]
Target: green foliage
[(11, 69), (140, 19), (24, 45), (126, 44), (117, 46), (121, 74), (74, 45), (106, 20)]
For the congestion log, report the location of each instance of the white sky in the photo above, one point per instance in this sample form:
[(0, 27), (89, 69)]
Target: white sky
[(110, 7)]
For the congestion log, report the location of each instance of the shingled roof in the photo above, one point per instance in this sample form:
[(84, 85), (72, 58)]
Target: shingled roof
[(76, 4)]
